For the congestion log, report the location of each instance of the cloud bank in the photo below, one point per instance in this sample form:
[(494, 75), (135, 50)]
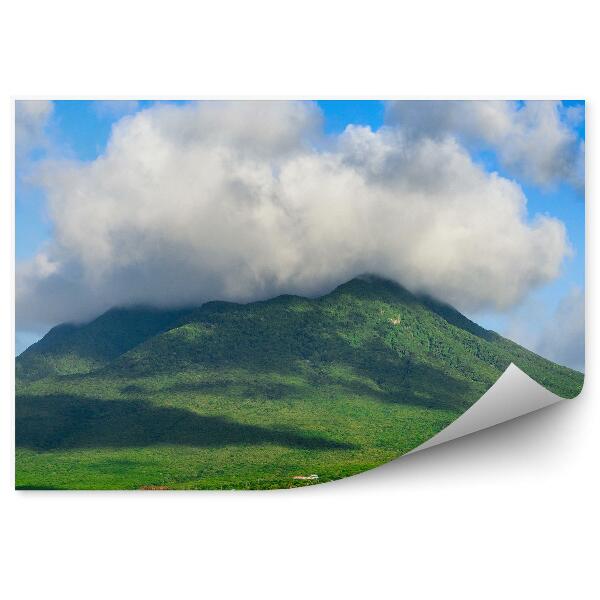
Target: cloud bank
[(565, 343), (557, 334), (246, 200), (31, 117), (115, 108), (534, 140)]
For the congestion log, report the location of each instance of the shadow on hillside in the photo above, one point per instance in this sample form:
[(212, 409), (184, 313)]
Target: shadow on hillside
[(253, 390), (408, 381), (244, 352), (384, 376), (68, 422)]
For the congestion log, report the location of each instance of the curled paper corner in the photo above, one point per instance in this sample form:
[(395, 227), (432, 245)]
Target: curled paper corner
[(513, 395)]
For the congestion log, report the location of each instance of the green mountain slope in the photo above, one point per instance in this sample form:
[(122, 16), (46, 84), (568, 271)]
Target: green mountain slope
[(68, 348), (230, 395)]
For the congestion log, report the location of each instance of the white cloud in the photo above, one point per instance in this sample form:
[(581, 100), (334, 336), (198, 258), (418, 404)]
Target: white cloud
[(31, 118), (557, 334), (534, 140), (241, 200), (115, 108), (563, 338)]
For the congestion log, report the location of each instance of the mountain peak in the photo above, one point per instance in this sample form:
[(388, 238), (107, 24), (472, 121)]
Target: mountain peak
[(374, 286)]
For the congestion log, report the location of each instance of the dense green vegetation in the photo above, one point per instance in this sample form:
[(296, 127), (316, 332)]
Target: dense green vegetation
[(68, 349), (251, 396)]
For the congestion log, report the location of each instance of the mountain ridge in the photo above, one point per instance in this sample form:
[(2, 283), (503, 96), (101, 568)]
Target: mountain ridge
[(58, 346), (248, 396)]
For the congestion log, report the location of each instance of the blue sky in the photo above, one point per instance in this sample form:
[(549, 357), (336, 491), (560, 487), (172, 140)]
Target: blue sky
[(80, 130)]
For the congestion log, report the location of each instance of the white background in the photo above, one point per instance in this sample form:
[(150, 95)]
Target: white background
[(508, 513)]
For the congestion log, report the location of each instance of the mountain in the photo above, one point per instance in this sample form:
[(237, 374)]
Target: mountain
[(69, 348), (252, 395)]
